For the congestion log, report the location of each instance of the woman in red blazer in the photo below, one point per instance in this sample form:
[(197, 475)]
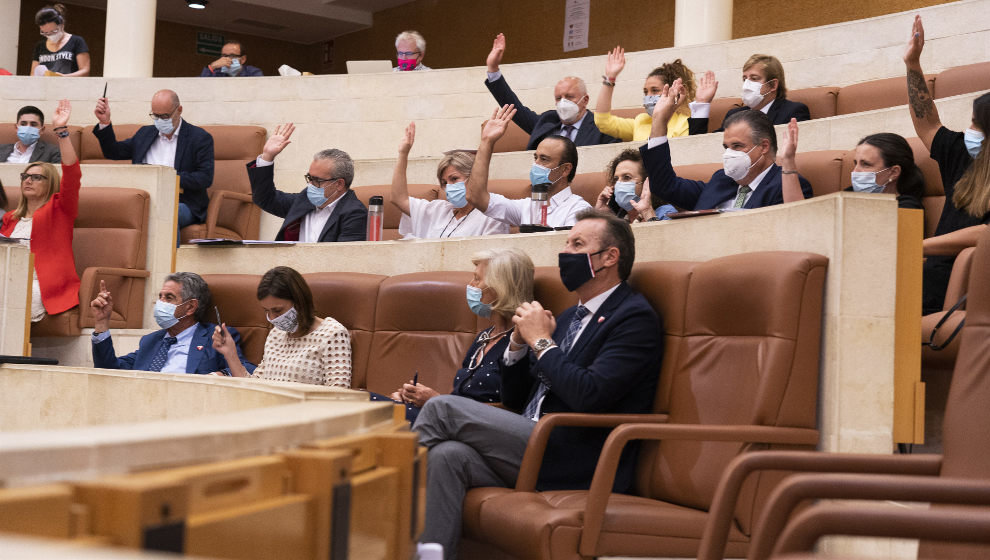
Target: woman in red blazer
[(45, 214)]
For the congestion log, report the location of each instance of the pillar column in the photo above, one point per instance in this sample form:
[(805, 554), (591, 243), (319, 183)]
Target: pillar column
[(702, 21), (9, 28), (130, 39)]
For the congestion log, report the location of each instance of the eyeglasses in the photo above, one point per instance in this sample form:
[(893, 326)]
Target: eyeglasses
[(33, 176), (51, 33), (318, 181), (406, 54), (163, 116)]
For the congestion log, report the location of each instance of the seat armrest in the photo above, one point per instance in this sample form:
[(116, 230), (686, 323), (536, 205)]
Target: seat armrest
[(947, 525), (217, 201), (714, 539), (608, 461), (529, 470)]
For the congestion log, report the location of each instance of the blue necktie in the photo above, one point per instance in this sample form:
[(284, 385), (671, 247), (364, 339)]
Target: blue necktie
[(158, 362), (533, 407)]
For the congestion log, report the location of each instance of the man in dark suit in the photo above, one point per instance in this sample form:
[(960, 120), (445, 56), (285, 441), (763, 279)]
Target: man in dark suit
[(172, 142), (325, 210), (28, 148), (571, 119), (601, 356), (763, 90), (185, 342), (749, 178)]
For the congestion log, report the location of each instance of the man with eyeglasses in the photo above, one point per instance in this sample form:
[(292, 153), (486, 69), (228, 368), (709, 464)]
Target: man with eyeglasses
[(232, 63), (170, 141), (410, 47), (326, 209)]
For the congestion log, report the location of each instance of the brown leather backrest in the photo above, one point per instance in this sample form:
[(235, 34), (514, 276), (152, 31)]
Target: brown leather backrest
[(233, 147), (965, 438), (588, 185), (550, 291), (112, 228), (820, 100), (875, 94), (719, 108), (511, 188), (697, 171), (91, 151), (962, 79), (823, 170), (236, 297), (514, 140), (421, 324), (749, 356), (8, 135), (392, 214), (352, 299)]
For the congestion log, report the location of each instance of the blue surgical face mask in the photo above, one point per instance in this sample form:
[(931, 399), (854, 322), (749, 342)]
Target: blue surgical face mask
[(456, 194), (625, 193), (28, 135), (478, 307), (866, 181), (315, 195), (539, 174), (649, 102), (974, 141), (234, 68), (164, 126), (165, 314)]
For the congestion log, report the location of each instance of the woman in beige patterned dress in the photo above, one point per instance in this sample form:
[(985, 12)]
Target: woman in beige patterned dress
[(302, 347)]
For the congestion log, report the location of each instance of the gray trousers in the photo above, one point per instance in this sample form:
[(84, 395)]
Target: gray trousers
[(470, 444)]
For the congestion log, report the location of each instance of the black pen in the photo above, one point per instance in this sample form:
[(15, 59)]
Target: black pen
[(105, 89), (223, 337), (416, 378)]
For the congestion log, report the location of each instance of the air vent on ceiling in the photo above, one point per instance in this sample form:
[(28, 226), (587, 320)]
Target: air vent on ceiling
[(261, 24)]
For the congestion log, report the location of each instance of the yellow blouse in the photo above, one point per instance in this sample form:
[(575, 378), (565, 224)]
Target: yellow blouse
[(638, 128)]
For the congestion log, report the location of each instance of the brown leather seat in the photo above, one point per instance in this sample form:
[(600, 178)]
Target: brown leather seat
[(8, 135), (235, 296), (719, 108), (514, 140), (740, 365), (231, 214), (945, 358), (875, 94), (91, 152), (392, 214), (588, 185), (110, 241), (958, 476), (962, 79), (823, 169), (820, 100)]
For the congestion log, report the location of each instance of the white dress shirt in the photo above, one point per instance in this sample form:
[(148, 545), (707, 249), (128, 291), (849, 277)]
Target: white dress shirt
[(563, 209), (753, 185), (434, 219), (17, 156), (162, 150), (313, 223)]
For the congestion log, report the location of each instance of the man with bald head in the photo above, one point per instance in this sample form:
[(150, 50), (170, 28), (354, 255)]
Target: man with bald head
[(571, 119), (170, 141)]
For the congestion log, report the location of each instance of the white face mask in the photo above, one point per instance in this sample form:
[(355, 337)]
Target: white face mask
[(56, 37), (866, 181), (287, 321), (567, 110), (736, 164), (751, 96)]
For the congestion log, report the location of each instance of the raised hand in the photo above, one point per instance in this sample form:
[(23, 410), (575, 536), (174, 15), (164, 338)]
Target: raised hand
[(102, 110), (277, 141), (644, 206), (407, 140), (533, 322), (916, 42), (62, 113), (223, 61), (789, 146), (223, 342), (495, 57), (615, 63), (603, 197), (102, 308), (495, 127), (707, 87), (668, 101)]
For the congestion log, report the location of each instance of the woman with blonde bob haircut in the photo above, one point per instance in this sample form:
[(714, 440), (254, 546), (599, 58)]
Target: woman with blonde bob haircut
[(453, 216), (503, 280), (45, 215)]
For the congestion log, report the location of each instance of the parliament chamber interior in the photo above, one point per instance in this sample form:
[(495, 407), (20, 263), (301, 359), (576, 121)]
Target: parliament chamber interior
[(806, 401)]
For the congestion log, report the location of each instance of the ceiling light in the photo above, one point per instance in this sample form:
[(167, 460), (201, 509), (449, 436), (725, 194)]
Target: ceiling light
[(197, 4)]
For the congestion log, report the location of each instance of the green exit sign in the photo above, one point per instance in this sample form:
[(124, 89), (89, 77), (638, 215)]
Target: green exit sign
[(209, 43)]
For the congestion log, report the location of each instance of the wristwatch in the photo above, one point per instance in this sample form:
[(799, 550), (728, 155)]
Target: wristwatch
[(542, 344)]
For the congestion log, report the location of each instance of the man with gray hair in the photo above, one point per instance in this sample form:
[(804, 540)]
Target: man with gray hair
[(185, 342), (410, 47), (571, 118), (326, 209)]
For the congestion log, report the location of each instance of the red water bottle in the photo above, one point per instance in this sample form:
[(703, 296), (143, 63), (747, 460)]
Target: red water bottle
[(376, 218)]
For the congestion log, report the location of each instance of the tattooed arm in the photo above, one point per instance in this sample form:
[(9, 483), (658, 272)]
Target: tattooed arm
[(924, 115)]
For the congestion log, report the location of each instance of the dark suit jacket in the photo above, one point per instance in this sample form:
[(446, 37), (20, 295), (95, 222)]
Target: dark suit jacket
[(348, 222), (781, 112), (699, 195), (543, 125), (203, 358), (613, 368), (42, 152), (193, 159)]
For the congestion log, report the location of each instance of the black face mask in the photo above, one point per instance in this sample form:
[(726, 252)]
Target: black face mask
[(576, 269)]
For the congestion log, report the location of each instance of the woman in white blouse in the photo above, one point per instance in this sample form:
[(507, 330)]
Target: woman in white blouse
[(302, 347), (451, 216)]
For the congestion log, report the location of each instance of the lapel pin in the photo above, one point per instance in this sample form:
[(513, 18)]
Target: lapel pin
[(200, 347), (601, 319)]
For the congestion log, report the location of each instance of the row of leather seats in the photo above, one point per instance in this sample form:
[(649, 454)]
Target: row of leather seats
[(732, 356), (827, 101)]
